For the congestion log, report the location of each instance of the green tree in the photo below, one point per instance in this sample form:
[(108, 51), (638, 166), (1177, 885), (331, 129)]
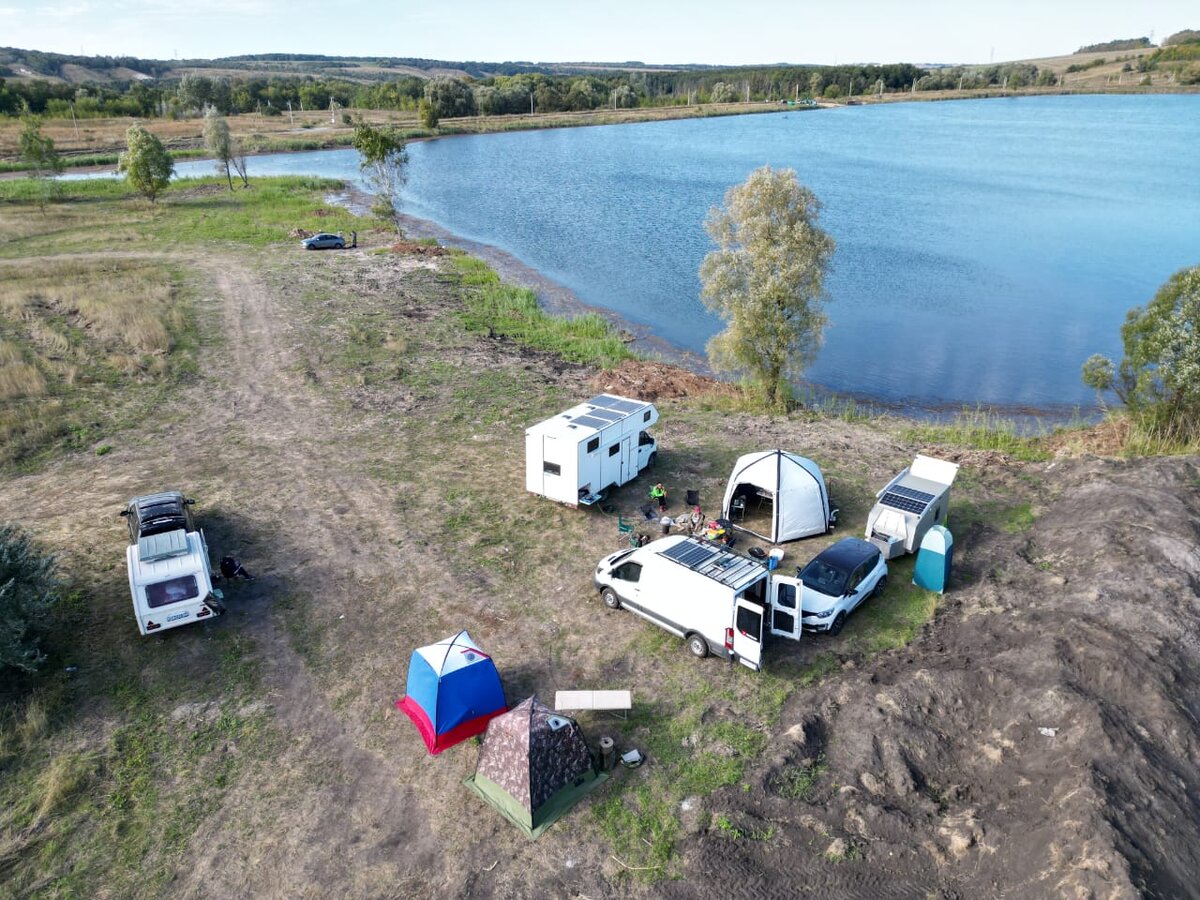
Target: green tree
[(38, 154), (722, 93), (145, 162), (384, 157), (1159, 375), (428, 114), (766, 280), (218, 142), (451, 97), (28, 589)]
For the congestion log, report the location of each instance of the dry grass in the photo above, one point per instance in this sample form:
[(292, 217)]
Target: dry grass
[(75, 331)]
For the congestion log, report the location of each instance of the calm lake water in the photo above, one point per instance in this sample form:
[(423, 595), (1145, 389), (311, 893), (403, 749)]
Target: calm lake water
[(985, 248)]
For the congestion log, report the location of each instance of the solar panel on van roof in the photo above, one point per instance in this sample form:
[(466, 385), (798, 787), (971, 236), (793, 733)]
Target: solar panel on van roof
[(718, 563)]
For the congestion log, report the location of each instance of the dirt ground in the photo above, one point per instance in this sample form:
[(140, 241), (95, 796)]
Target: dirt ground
[(1037, 738)]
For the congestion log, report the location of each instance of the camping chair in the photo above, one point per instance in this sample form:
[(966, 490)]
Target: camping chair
[(693, 498), (627, 529), (737, 506)]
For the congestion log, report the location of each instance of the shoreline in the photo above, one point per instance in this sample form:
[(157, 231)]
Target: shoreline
[(559, 300)]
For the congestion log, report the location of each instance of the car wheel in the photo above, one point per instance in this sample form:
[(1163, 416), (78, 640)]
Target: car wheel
[(610, 598), (838, 621), (697, 646), (878, 589)]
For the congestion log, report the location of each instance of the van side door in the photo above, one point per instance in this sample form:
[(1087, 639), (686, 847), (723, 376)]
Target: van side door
[(785, 606), (748, 633)]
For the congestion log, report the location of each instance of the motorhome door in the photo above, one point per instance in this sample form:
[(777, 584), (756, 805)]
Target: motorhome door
[(785, 606), (748, 633)]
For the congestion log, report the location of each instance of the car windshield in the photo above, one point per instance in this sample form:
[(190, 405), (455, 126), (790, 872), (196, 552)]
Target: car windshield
[(162, 593), (820, 576)]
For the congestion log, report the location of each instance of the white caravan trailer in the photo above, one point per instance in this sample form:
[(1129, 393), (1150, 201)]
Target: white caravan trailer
[(911, 503), (169, 575), (577, 455), (715, 599)]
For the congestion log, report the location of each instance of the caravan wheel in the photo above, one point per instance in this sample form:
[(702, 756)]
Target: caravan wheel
[(697, 646)]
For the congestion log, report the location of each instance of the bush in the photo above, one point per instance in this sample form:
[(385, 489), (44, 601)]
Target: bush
[(28, 589)]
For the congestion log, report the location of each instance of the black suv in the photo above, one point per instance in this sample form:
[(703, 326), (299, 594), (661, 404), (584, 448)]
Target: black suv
[(158, 514)]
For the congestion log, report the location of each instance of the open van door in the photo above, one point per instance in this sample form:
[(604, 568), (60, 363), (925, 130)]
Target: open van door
[(748, 633), (785, 606)]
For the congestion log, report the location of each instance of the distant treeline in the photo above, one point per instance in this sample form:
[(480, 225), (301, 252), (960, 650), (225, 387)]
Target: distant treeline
[(496, 95), (1141, 43)]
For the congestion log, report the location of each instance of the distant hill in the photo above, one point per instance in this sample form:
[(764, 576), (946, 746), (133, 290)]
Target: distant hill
[(35, 64), (1187, 36), (1141, 43)]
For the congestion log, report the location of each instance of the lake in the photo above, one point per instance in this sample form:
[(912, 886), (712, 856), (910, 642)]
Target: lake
[(985, 248)]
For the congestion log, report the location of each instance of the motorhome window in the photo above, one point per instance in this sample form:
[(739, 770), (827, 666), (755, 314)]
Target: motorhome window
[(162, 593), (551, 468), (629, 572), (593, 445), (749, 622), (646, 416), (786, 597), (614, 449)]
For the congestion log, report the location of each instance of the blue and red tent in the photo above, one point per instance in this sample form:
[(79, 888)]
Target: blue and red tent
[(453, 691)]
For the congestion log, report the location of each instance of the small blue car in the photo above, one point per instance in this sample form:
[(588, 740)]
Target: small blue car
[(838, 580), (324, 241)]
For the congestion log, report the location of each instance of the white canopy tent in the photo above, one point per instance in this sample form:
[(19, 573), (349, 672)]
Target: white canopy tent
[(792, 485)]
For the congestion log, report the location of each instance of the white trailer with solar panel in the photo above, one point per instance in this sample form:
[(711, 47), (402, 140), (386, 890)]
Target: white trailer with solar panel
[(717, 600), (169, 574), (911, 503), (579, 454)]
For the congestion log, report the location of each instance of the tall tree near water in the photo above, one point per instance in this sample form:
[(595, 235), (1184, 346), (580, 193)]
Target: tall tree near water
[(1158, 379), (218, 142), (384, 157), (766, 280), (145, 162)]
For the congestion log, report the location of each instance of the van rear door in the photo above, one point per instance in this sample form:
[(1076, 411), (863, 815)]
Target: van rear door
[(785, 606), (748, 633)]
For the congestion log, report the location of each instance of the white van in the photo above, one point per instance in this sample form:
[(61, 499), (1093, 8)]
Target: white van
[(576, 456), (170, 579), (713, 598)]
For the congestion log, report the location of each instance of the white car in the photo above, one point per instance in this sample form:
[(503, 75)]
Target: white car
[(838, 580)]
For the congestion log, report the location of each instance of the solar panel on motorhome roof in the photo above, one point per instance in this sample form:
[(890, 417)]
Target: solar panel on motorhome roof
[(590, 422), (607, 401), (609, 414), (906, 499)]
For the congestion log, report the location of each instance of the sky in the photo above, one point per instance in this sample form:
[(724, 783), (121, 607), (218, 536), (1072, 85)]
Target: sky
[(698, 31)]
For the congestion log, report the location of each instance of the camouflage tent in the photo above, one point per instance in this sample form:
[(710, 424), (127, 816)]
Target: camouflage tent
[(534, 766)]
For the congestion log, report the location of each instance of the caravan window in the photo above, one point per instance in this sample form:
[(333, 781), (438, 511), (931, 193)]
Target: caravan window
[(614, 449), (551, 468), (593, 445), (631, 571), (164, 592)]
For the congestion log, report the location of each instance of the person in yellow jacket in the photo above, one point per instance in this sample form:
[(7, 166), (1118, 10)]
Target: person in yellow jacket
[(658, 494)]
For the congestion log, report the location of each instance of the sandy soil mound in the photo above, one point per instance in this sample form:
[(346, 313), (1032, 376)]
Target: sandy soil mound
[(1039, 739), (656, 381)]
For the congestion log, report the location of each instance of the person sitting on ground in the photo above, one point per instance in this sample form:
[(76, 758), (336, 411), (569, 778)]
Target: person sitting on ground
[(696, 521), (658, 493), (231, 568)]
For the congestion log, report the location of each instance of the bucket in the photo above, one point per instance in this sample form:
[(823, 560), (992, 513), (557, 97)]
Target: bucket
[(608, 753), (774, 558)]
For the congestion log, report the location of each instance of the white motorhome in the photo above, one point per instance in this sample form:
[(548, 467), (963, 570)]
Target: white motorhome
[(909, 505), (170, 578), (715, 599), (576, 456)]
